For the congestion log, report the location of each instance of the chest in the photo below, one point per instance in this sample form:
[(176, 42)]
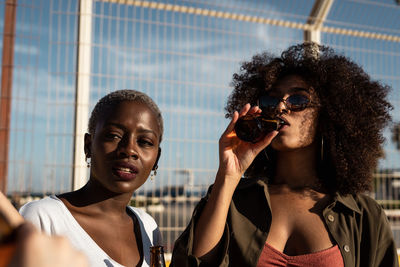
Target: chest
[(120, 240), (297, 225), (295, 209)]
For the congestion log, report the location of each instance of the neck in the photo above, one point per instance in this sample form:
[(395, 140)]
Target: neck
[(99, 199), (297, 169)]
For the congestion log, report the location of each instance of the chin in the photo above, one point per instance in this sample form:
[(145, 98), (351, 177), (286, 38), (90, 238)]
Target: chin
[(123, 187), (130, 187), (282, 146), (279, 144)]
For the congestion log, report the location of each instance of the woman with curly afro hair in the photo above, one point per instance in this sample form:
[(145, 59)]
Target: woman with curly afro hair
[(295, 196)]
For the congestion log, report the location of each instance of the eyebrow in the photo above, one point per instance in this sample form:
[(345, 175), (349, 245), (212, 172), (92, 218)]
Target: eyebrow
[(140, 129), (143, 130)]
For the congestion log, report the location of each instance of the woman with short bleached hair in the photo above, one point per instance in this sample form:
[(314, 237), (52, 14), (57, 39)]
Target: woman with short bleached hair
[(122, 148)]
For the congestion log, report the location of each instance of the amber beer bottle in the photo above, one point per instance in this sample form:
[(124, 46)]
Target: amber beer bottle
[(157, 256), (7, 242), (252, 128)]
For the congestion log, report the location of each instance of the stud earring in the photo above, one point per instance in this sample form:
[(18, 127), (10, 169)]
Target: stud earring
[(87, 161), (154, 173)]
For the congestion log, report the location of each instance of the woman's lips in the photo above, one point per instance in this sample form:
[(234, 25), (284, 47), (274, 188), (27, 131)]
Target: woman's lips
[(283, 123), (124, 175), (125, 171), (283, 127)]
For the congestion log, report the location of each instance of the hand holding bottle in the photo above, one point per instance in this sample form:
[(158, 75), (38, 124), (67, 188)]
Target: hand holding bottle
[(235, 154), (235, 157)]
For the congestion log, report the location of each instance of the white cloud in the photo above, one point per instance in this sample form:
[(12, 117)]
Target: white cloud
[(26, 49)]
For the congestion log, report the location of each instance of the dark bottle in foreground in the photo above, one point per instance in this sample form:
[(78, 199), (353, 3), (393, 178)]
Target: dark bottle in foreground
[(7, 241), (157, 256), (252, 128)]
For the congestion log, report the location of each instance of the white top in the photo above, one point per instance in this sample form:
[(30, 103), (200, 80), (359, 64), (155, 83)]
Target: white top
[(53, 217)]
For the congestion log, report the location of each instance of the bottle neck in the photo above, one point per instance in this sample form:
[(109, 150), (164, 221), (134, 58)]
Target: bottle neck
[(157, 256)]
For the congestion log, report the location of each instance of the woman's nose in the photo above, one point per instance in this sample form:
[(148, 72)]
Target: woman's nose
[(128, 149), (281, 107)]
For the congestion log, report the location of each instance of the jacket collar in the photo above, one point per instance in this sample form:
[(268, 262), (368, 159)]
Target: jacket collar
[(348, 201)]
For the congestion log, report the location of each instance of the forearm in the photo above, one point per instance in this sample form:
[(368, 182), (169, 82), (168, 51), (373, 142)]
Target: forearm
[(8, 213), (211, 224), (235, 157)]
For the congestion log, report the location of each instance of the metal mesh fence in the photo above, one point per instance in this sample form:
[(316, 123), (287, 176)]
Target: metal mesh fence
[(182, 54)]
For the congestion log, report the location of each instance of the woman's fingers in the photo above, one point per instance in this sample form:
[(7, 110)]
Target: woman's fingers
[(244, 110), (229, 132), (231, 125), (247, 109), (253, 110), (236, 155)]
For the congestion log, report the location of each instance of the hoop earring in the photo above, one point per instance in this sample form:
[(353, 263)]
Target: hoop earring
[(322, 148), (266, 154), (87, 161), (154, 173)]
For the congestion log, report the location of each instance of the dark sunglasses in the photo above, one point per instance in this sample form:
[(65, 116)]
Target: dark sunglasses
[(295, 102)]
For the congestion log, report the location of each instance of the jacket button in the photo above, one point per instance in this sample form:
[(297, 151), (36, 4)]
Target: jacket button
[(331, 218), (346, 248)]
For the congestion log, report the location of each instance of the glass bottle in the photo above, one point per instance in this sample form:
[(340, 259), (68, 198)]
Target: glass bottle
[(7, 242), (252, 128), (157, 256)]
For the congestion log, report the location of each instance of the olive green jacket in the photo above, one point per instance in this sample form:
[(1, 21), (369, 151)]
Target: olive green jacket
[(357, 224)]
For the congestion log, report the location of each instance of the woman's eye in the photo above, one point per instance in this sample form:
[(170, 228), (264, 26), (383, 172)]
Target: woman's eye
[(113, 136), (145, 142)]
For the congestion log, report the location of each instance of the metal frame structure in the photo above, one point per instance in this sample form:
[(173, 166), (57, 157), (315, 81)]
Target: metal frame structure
[(82, 91), (165, 48), (6, 88), (312, 32), (316, 20)]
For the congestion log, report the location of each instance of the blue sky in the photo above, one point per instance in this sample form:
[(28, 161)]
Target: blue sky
[(184, 62)]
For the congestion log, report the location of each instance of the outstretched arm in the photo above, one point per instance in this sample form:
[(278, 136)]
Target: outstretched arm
[(34, 249), (9, 216), (28, 247)]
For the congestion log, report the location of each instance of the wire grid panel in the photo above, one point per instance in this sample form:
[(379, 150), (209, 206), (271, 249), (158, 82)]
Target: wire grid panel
[(41, 130), (381, 59), (182, 54)]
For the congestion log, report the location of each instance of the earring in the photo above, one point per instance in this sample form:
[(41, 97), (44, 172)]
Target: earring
[(265, 153), (322, 148), (154, 173), (87, 161)]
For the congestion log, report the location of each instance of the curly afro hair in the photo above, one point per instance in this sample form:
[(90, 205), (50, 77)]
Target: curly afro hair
[(352, 116)]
